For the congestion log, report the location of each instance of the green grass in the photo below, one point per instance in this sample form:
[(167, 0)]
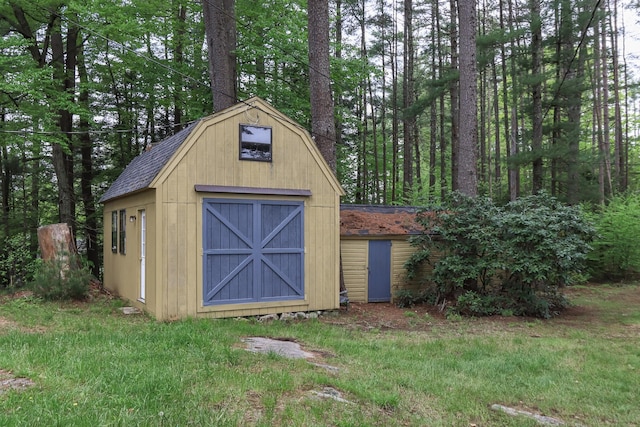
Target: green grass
[(93, 366)]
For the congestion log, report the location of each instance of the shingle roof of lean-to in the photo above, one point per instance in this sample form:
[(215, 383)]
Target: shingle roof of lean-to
[(144, 168), (375, 220)]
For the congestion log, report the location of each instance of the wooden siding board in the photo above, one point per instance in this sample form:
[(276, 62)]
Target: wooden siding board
[(354, 264), (171, 300), (252, 190), (151, 248), (181, 255), (191, 297), (332, 293), (317, 251), (158, 264)]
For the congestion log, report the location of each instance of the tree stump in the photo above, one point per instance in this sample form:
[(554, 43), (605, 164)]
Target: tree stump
[(56, 244)]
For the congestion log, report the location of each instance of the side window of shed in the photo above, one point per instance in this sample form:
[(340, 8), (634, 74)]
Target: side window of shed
[(255, 143), (123, 231), (114, 231)]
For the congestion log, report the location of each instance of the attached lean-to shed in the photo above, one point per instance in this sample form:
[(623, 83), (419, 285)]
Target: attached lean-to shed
[(236, 215), (375, 245)]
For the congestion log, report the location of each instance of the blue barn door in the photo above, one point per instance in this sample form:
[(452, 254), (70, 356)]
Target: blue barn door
[(253, 251), (379, 271)]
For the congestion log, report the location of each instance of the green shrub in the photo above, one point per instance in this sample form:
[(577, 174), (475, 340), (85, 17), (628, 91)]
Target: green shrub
[(474, 304), (513, 258), (616, 252), (17, 263), (53, 280), (407, 298), (404, 298)]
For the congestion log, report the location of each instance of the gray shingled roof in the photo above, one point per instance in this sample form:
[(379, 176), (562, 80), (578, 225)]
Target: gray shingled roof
[(144, 168)]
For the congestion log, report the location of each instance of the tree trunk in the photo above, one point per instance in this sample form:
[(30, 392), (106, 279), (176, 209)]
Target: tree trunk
[(6, 180), (571, 96), (86, 177), (323, 126), (497, 158), (178, 58), (618, 156), (513, 135), (56, 244), (454, 89), (409, 121), (395, 143), (220, 27), (383, 115), (467, 147), (64, 66), (433, 108), (606, 153), (441, 108), (536, 94)]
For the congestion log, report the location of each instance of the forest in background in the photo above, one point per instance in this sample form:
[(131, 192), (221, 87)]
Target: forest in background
[(87, 85)]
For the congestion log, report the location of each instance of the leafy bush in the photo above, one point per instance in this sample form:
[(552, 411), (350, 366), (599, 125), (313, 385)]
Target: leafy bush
[(54, 280), (406, 298), (616, 252), (17, 263), (513, 258), (474, 304)]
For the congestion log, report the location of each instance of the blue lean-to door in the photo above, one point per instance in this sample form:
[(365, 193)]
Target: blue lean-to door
[(253, 251), (379, 287)]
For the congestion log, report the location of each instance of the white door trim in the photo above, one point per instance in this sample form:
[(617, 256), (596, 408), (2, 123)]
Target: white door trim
[(143, 254)]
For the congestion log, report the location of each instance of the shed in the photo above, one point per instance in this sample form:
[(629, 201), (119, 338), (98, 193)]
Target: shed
[(375, 245), (236, 215)]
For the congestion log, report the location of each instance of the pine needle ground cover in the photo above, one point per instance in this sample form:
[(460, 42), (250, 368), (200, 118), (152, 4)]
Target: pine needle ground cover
[(89, 365)]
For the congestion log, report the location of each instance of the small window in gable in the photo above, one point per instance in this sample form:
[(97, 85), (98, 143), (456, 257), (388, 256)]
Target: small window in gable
[(114, 231), (255, 143), (123, 231)]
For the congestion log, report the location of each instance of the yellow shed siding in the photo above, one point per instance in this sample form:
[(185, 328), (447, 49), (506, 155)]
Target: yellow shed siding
[(321, 264), (401, 251), (210, 156), (355, 254), (355, 265), (293, 167), (124, 270)]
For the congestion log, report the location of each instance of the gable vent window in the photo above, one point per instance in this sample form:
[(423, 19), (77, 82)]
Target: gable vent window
[(255, 143)]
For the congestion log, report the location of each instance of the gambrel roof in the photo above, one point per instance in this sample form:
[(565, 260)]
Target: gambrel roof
[(144, 168)]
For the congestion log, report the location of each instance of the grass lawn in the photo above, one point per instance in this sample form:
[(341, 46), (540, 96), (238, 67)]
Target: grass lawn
[(93, 366)]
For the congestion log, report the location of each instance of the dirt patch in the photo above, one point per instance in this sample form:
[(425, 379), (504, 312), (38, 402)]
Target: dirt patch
[(7, 324), (15, 295), (387, 316)]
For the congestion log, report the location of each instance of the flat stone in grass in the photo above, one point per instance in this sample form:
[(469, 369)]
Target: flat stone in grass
[(542, 419), (289, 349), (10, 382), (130, 310), (330, 393)]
